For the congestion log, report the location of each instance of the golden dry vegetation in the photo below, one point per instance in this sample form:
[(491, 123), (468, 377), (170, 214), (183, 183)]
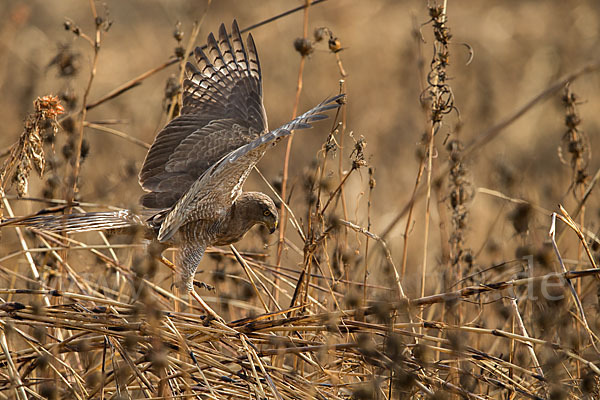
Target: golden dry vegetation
[(419, 261)]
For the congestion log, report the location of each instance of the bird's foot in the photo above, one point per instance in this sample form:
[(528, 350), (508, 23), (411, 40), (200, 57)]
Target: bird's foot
[(203, 285), (211, 313)]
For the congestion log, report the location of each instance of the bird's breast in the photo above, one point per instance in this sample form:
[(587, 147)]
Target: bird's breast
[(222, 231)]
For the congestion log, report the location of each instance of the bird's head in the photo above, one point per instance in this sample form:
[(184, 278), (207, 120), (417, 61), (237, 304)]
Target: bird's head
[(263, 210)]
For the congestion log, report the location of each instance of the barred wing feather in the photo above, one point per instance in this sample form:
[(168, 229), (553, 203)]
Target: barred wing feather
[(222, 110), (215, 191)]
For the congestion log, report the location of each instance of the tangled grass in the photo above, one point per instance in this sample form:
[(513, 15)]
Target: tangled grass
[(96, 316)]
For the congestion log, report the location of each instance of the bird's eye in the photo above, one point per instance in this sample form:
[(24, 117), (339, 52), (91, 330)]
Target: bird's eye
[(266, 213)]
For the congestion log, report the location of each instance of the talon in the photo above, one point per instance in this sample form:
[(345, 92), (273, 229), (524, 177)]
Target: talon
[(204, 285)]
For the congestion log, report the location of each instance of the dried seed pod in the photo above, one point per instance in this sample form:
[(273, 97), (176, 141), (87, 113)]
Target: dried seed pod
[(69, 96), (85, 149), (178, 33), (320, 33), (179, 52), (28, 152), (521, 217), (66, 60), (303, 46), (277, 183), (334, 45)]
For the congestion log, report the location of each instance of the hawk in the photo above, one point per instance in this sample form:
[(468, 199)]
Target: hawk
[(195, 169)]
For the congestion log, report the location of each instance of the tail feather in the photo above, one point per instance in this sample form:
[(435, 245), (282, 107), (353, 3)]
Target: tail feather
[(81, 222)]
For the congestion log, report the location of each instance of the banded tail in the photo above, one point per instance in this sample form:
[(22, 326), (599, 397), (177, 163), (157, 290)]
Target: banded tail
[(80, 222)]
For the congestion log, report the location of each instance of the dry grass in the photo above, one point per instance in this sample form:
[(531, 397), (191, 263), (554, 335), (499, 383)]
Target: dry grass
[(468, 271)]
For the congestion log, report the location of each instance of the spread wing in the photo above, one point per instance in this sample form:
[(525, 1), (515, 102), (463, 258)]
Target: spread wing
[(222, 110), (212, 195)]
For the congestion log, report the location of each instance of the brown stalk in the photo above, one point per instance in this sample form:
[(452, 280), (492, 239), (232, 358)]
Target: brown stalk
[(366, 274), (83, 112), (290, 139), (250, 276)]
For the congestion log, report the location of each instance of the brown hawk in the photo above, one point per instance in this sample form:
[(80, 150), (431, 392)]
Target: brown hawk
[(196, 167)]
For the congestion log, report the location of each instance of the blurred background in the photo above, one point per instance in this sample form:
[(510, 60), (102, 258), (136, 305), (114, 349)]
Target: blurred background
[(518, 49)]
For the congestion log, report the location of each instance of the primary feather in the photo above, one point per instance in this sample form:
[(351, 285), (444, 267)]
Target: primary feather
[(222, 110)]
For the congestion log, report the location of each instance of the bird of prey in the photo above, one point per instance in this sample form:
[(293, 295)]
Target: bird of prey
[(194, 171)]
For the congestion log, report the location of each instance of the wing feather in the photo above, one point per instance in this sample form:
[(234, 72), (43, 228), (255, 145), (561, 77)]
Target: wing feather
[(210, 196), (222, 110)]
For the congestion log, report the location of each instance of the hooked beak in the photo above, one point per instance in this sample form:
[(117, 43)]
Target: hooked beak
[(273, 228)]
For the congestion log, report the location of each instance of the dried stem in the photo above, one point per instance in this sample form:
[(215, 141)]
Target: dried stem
[(290, 139), (83, 112)]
